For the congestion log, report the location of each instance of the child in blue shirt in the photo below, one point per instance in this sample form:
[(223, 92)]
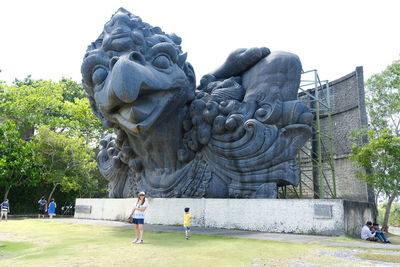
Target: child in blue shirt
[(5, 209)]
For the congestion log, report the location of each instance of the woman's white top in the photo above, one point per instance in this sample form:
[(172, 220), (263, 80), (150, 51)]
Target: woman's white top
[(140, 214)]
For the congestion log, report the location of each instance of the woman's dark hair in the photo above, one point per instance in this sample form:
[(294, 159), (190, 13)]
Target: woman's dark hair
[(52, 199), (186, 209), (138, 199)]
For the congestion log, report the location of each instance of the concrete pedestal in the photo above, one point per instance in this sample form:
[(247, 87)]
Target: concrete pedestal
[(302, 216)]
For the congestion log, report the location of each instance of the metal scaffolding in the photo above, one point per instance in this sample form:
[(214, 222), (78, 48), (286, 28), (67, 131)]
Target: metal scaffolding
[(316, 159)]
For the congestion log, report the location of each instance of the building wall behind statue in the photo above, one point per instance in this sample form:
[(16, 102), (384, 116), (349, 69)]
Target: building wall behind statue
[(348, 113)]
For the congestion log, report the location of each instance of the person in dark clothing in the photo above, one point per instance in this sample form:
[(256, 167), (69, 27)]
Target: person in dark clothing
[(379, 233), (42, 207)]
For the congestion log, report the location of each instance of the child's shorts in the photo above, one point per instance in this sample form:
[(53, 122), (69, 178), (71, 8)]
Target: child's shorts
[(4, 213), (137, 221), (187, 228)]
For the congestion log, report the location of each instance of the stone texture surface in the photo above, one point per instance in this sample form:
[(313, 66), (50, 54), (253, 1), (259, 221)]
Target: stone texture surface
[(348, 113), (234, 136), (269, 215)]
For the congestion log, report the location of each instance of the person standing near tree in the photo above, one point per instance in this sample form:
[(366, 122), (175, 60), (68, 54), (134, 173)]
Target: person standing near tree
[(42, 207), (52, 208), (5, 209)]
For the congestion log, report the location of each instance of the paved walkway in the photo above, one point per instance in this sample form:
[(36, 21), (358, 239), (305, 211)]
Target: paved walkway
[(295, 238)]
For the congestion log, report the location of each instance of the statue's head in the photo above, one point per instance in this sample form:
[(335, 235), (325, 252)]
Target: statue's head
[(135, 73)]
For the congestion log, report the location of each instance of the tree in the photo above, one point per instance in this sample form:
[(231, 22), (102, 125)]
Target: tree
[(379, 156), (16, 159), (81, 122), (382, 155), (63, 109), (26, 81), (32, 104), (62, 106), (64, 161), (72, 90), (383, 99)]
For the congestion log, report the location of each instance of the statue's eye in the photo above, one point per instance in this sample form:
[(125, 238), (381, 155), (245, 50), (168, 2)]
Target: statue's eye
[(99, 75), (162, 62)]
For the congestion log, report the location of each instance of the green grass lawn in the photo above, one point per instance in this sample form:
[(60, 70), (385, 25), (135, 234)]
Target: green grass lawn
[(46, 243), (379, 257)]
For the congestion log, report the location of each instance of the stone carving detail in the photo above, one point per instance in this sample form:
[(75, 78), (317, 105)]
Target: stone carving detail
[(236, 135)]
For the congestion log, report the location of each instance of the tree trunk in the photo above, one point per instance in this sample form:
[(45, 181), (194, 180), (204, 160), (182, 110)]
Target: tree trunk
[(385, 224), (6, 193), (377, 193), (52, 191)]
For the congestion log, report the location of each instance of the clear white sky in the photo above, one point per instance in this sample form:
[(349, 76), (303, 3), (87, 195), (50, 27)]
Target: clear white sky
[(48, 38)]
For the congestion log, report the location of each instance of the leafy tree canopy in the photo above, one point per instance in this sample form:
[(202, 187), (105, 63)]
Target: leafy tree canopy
[(381, 156), (65, 161), (53, 127), (383, 99), (17, 166)]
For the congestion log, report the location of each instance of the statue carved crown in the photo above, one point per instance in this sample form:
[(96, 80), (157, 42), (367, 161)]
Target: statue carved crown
[(234, 136)]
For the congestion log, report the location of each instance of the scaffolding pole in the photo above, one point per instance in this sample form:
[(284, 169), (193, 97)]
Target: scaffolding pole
[(317, 156)]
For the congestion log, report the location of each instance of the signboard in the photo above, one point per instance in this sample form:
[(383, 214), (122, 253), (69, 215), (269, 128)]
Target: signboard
[(83, 209), (323, 211)]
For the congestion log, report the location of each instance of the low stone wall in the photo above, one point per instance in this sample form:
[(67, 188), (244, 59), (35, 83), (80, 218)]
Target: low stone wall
[(303, 216), (356, 214)]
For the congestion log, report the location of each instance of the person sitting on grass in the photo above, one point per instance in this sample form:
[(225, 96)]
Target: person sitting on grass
[(5, 209), (379, 233), (186, 222), (367, 234)]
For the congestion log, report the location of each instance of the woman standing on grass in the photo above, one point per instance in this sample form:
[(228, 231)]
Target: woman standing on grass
[(138, 216), (52, 208)]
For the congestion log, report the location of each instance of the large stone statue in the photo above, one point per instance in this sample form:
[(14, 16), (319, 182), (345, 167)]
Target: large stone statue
[(234, 136)]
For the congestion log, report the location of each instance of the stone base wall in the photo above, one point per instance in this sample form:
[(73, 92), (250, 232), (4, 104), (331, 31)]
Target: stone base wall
[(356, 214), (302, 216)]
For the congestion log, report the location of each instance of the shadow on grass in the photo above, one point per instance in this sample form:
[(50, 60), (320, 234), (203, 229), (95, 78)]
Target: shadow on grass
[(395, 239), (15, 246), (10, 249), (345, 238)]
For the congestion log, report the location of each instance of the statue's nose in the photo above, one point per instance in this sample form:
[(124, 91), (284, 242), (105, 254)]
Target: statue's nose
[(126, 77)]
